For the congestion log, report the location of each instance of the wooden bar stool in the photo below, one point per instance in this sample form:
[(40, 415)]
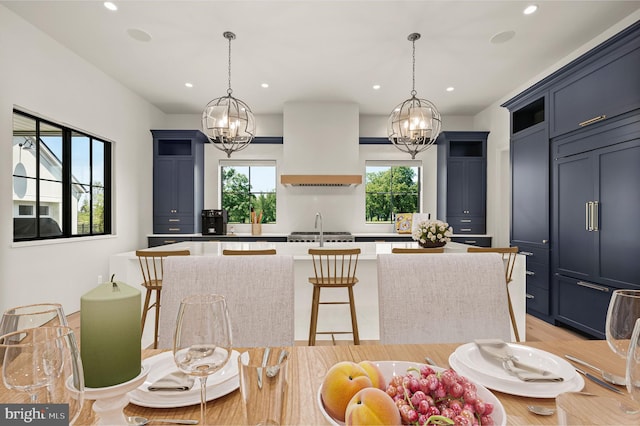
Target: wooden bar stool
[(333, 268), (151, 265), (509, 259)]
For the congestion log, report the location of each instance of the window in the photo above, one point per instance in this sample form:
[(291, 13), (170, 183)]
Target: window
[(248, 186), (62, 174), (391, 187)]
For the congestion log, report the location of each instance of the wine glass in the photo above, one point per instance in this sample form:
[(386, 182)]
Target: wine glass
[(44, 362), (624, 310), (31, 316), (202, 341), (633, 364)]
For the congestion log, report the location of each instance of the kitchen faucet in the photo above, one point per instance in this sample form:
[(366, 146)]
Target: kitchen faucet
[(319, 216)]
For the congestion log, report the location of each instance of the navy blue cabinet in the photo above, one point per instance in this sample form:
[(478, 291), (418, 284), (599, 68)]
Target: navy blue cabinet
[(575, 150), (606, 85), (596, 198), (178, 181), (462, 181)]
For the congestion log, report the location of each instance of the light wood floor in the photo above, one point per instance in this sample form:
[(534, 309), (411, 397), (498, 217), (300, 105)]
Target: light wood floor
[(537, 330)]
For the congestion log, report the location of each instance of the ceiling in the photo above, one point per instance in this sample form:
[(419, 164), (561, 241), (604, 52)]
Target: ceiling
[(322, 50)]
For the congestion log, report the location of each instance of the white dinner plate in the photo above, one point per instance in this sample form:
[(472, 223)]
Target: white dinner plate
[(219, 384), (468, 360), (399, 368)]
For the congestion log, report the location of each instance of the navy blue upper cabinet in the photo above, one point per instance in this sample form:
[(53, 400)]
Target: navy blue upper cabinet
[(462, 180), (178, 181), (600, 85)]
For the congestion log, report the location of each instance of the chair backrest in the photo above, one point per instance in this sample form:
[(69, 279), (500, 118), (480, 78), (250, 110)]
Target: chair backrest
[(152, 265), (335, 266), (449, 298), (508, 257), (229, 252), (259, 292), (401, 250)]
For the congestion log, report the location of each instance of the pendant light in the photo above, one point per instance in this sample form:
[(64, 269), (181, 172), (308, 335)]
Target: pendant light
[(414, 125), (227, 121)]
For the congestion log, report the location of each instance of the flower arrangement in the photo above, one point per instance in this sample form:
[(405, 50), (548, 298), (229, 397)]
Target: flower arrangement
[(432, 233)]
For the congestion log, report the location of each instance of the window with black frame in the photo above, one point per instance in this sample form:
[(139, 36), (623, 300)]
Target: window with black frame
[(61, 181), (249, 186), (391, 187)]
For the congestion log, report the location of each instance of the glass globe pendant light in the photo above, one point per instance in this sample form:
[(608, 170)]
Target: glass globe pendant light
[(414, 125), (227, 121)]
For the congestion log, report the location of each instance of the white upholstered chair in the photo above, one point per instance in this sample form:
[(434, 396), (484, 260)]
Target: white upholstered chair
[(448, 298), (258, 289)]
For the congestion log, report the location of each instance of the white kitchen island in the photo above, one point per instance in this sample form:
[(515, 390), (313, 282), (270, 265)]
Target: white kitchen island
[(126, 268)]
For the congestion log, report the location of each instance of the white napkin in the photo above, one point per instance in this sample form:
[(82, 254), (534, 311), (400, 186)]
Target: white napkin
[(176, 381), (497, 350)]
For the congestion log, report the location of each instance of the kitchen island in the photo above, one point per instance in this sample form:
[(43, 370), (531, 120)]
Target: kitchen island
[(126, 268)]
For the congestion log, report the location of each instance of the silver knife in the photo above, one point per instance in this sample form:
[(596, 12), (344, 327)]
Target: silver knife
[(598, 381)]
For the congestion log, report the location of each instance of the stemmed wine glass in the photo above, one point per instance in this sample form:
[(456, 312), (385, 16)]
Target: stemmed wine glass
[(31, 316), (44, 362), (202, 341), (633, 364), (624, 310)]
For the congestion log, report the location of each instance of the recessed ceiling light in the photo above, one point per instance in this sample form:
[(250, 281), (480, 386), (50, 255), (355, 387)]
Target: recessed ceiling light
[(188, 85), (139, 35), (376, 87), (265, 85), (450, 89), (111, 6), (530, 9), (503, 37)]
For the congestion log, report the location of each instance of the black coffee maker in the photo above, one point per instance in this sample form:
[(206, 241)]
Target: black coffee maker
[(214, 222)]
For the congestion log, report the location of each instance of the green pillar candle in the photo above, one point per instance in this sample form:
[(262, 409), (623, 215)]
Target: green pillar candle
[(110, 334)]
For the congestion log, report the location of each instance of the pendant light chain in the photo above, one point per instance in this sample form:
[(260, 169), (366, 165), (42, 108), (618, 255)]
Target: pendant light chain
[(413, 87), (229, 90)]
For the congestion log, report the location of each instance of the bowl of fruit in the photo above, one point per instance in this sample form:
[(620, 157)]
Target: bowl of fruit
[(401, 392)]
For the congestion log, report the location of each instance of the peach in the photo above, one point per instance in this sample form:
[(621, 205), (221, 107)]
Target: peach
[(340, 384), (372, 406), (377, 379)]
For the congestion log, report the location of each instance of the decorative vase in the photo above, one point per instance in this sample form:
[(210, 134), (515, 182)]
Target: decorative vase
[(431, 244)]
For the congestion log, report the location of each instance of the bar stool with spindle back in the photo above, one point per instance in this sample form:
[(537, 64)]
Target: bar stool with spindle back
[(151, 265), (509, 259), (333, 268)]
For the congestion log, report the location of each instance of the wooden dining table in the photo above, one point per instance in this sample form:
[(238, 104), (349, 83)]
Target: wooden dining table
[(309, 364)]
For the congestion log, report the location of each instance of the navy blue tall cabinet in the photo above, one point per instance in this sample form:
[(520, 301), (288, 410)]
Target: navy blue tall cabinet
[(575, 157)]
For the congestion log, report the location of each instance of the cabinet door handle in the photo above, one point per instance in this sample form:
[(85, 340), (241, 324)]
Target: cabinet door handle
[(470, 241), (595, 207), (174, 220), (592, 120), (545, 241), (169, 241), (174, 229), (593, 286), (465, 220), (530, 296), (465, 229), (526, 253), (530, 273), (587, 216)]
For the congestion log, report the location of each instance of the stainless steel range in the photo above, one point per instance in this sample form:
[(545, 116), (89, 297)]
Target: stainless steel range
[(313, 236)]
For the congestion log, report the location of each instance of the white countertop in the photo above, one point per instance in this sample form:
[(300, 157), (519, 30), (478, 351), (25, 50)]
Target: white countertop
[(299, 251)]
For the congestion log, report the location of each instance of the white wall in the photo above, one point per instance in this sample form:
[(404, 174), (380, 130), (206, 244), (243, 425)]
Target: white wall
[(40, 76)]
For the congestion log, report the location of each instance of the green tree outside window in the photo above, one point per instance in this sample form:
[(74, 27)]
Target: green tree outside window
[(391, 190)]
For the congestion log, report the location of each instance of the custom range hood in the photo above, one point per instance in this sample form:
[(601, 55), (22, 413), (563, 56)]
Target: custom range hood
[(321, 180)]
